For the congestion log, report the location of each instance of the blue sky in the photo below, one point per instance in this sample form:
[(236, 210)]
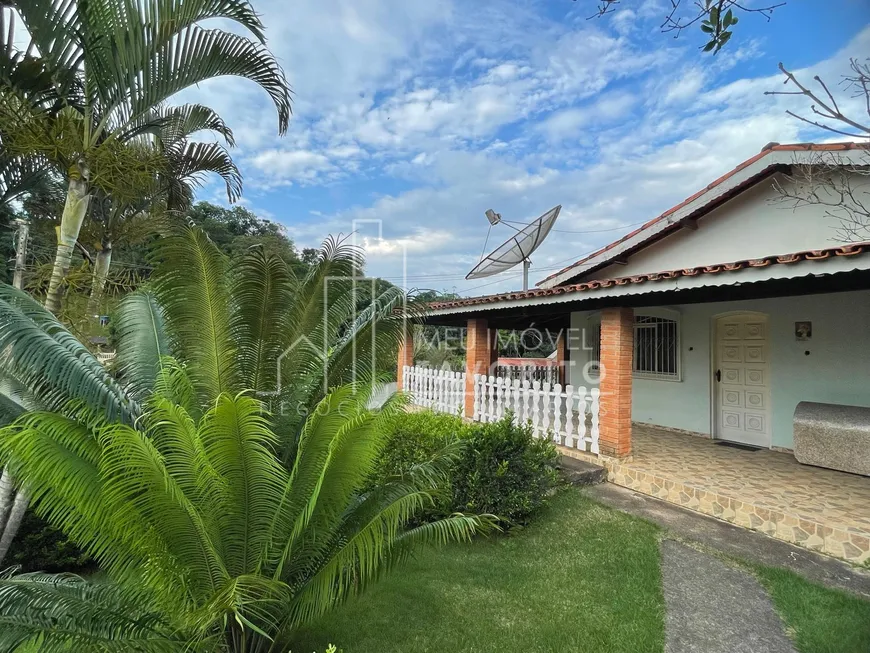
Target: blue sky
[(412, 117)]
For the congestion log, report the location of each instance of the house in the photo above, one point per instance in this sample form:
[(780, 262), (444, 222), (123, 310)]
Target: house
[(714, 319)]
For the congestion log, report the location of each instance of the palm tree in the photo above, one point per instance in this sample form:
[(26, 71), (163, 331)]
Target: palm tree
[(210, 542), (171, 189), (95, 75), (236, 325)]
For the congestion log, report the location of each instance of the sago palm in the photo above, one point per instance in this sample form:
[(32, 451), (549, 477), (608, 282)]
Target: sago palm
[(95, 75), (244, 324), (250, 323), (210, 542)]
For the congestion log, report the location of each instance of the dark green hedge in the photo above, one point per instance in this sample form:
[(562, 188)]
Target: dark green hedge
[(502, 469), (40, 547)]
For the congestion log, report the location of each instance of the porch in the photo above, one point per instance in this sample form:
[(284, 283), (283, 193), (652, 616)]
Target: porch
[(765, 490)]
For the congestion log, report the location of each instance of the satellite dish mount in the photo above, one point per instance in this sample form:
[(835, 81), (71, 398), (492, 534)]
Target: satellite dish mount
[(516, 249)]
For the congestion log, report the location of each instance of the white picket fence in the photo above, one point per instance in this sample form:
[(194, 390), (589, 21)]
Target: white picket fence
[(568, 415), (440, 390), (531, 372)]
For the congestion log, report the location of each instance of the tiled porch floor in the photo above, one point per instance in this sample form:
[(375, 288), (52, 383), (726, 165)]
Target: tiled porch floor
[(765, 490)]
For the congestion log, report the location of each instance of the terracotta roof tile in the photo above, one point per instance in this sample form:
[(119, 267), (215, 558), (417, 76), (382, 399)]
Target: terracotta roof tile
[(770, 147), (652, 277)]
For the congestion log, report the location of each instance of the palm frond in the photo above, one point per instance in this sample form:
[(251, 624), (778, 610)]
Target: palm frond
[(262, 297), (142, 341), (177, 123), (188, 167), (47, 359), (19, 174), (191, 285), (63, 612), (239, 447)]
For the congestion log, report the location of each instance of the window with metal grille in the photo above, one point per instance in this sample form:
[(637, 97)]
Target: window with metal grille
[(656, 347), (593, 344)]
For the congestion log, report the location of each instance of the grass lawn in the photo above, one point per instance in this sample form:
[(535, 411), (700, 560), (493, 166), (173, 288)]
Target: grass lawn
[(820, 620), (582, 577)]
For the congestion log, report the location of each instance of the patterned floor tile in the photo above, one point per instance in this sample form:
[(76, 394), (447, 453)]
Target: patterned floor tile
[(765, 490)]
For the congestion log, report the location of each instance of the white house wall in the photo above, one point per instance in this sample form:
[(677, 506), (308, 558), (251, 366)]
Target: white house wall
[(836, 370), (752, 225)]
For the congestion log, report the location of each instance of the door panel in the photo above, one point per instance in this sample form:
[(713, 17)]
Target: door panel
[(742, 393)]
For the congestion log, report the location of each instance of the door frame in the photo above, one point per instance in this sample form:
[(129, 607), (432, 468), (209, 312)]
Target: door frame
[(714, 356)]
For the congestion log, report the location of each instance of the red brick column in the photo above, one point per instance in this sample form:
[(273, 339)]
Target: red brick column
[(479, 356), (617, 345), (406, 354)]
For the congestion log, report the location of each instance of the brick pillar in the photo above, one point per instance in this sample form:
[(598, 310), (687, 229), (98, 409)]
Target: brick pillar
[(479, 357), (617, 345), (406, 354), (560, 358)]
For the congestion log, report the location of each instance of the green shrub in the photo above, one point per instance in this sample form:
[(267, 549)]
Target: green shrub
[(414, 438), (41, 547), (503, 469)]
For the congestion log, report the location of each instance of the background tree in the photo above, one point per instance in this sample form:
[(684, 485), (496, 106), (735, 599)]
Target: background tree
[(169, 191), (716, 18), (102, 69), (842, 190)]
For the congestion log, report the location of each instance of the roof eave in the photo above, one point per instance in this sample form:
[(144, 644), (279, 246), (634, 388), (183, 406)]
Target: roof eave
[(745, 176)]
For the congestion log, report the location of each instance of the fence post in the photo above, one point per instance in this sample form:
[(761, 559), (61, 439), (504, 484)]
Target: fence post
[(569, 416), (557, 413), (596, 394)]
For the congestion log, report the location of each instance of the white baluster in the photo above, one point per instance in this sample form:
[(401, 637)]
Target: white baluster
[(536, 407), (547, 408), (491, 413), (582, 437), (421, 380), (478, 398), (442, 391), (499, 398), (527, 401), (557, 413), (412, 380), (569, 416), (424, 386), (596, 394), (518, 401)]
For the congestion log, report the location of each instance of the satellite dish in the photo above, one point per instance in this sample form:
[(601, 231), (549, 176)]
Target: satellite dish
[(517, 248)]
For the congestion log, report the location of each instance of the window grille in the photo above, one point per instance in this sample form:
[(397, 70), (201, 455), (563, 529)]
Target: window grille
[(656, 347), (593, 344)]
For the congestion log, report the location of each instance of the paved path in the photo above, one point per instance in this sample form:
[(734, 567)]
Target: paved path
[(735, 541), (714, 608)]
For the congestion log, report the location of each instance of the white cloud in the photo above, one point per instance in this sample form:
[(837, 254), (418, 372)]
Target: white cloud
[(290, 165), (422, 115)]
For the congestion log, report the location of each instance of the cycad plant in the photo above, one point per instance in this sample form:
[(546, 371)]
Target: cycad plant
[(221, 525), (95, 74), (210, 542), (237, 325)]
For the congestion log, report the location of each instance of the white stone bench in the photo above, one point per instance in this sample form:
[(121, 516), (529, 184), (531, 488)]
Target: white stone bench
[(833, 436)]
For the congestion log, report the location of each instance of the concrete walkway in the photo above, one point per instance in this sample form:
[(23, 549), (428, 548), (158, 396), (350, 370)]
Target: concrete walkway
[(713, 534), (714, 608)]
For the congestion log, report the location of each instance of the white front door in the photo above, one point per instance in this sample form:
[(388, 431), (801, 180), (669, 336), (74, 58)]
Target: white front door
[(742, 379)]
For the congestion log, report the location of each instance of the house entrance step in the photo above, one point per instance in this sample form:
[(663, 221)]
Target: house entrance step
[(580, 472)]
